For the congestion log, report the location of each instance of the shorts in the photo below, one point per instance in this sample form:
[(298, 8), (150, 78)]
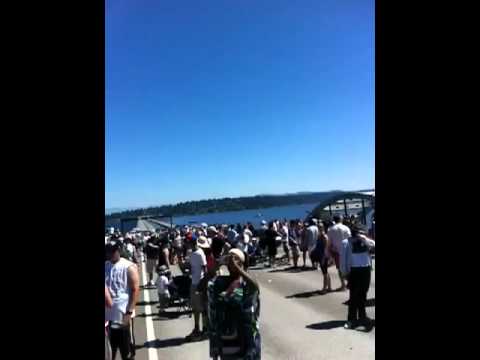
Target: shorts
[(304, 246), (324, 265), (272, 250), (295, 250), (151, 265), (178, 249), (197, 300), (336, 258)]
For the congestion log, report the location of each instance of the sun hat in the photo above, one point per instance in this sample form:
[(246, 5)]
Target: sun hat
[(203, 242), (239, 253), (212, 228)]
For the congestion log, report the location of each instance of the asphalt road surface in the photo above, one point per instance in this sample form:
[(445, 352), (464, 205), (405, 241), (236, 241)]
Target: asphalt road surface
[(296, 322)]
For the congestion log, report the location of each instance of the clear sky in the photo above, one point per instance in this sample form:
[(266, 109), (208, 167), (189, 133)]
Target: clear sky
[(208, 99)]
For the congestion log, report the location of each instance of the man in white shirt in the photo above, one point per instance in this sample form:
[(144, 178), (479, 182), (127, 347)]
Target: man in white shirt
[(355, 263), (122, 281), (337, 233), (198, 268)]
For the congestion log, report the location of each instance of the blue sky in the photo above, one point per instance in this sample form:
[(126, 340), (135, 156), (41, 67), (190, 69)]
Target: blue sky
[(208, 99)]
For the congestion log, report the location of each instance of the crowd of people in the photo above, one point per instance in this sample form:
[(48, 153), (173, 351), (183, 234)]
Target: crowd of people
[(204, 249)]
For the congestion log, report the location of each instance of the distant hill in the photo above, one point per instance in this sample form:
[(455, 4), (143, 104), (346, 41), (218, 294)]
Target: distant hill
[(225, 204), (117, 210)]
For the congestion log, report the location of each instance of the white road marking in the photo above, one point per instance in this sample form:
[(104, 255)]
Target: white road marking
[(152, 352)]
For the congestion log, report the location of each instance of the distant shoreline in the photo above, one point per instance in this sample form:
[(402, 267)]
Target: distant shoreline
[(212, 206)]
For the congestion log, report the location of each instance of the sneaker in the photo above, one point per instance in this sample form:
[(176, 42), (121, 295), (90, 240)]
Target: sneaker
[(349, 325)]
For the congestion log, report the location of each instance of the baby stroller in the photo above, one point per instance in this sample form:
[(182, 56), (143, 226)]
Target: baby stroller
[(180, 293)]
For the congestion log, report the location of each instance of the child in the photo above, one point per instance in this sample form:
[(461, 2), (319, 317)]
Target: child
[(163, 281)]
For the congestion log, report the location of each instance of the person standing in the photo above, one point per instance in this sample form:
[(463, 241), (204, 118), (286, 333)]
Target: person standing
[(294, 236), (234, 311), (152, 251), (285, 237), (122, 282), (311, 238), (232, 235), (163, 281), (337, 233), (188, 242), (218, 241), (177, 247), (108, 304), (248, 231), (324, 243), (251, 228), (303, 242), (355, 265), (263, 228), (164, 256), (271, 243), (275, 225), (130, 250), (247, 239), (198, 268)]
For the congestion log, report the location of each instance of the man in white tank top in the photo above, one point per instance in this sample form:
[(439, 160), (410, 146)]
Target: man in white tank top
[(122, 280)]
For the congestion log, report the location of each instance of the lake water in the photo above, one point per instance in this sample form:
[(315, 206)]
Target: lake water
[(254, 216)]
